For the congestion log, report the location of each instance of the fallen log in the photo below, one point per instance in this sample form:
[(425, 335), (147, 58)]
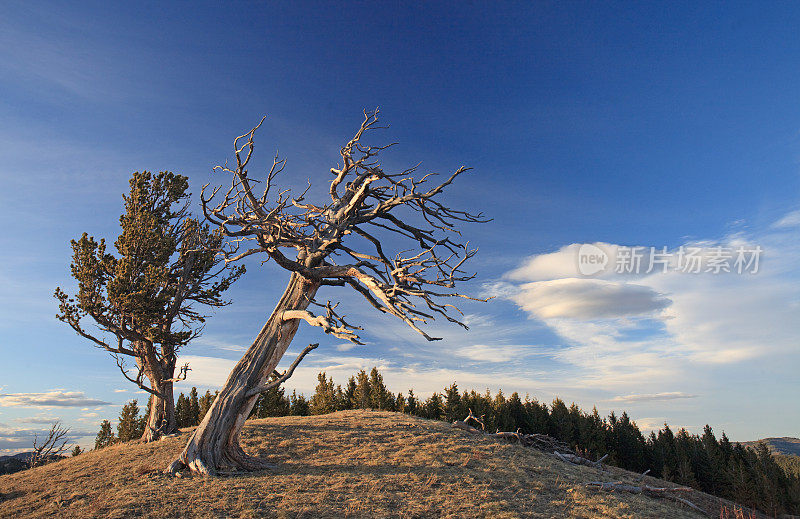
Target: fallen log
[(540, 442), (578, 460), (464, 426)]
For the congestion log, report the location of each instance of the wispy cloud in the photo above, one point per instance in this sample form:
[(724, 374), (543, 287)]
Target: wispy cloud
[(40, 419), (49, 399), (496, 352), (788, 221), (672, 395)]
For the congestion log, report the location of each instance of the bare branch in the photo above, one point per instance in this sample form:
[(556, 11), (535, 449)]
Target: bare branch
[(50, 447), (139, 380), (181, 375), (282, 378), (331, 323)]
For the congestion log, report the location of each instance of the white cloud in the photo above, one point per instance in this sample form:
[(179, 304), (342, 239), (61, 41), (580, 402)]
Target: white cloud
[(210, 372), (587, 299), (494, 352), (49, 399), (671, 395), (788, 221), (667, 327), (554, 265), (40, 419), (221, 343)]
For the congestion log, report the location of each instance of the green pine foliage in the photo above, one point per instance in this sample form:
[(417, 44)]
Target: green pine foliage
[(271, 403), (130, 425), (182, 412), (379, 396), (105, 436), (327, 398), (190, 410), (208, 399), (298, 405), (148, 294), (194, 407)]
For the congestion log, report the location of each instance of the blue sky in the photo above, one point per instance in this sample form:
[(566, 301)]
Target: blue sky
[(654, 125)]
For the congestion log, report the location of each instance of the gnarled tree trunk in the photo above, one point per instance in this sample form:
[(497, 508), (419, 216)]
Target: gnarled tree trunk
[(214, 446), (161, 413)]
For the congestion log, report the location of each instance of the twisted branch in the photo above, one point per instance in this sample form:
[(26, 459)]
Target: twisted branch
[(286, 374)]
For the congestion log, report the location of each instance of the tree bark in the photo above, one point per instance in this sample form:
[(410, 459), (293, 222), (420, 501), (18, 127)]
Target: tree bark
[(161, 414), (214, 445)]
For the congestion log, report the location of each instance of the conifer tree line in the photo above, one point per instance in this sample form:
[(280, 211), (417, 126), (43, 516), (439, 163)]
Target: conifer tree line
[(754, 478)]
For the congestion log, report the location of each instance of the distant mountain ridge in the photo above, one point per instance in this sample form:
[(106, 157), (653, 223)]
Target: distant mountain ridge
[(786, 445), (20, 461), (22, 456), (14, 463)]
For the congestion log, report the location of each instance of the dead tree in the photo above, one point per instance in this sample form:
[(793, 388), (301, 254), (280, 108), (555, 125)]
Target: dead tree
[(143, 301), (337, 242), (50, 447)]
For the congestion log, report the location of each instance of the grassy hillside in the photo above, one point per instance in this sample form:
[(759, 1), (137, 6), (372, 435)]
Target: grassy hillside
[(345, 464)]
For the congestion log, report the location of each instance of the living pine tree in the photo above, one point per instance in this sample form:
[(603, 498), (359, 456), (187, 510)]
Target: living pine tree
[(592, 434), (362, 398), (349, 394), (208, 399), (182, 414), (411, 403), (105, 436), (76, 451), (669, 454), (434, 407), (324, 399), (275, 403), (517, 412), (270, 403), (194, 407), (130, 425), (145, 296), (560, 422), (502, 415), (380, 397), (538, 415), (400, 403), (298, 405), (453, 410)]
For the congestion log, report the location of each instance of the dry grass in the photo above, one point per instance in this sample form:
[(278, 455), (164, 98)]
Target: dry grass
[(346, 464)]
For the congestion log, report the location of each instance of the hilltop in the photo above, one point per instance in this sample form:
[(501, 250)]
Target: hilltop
[(786, 445), (345, 464)]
